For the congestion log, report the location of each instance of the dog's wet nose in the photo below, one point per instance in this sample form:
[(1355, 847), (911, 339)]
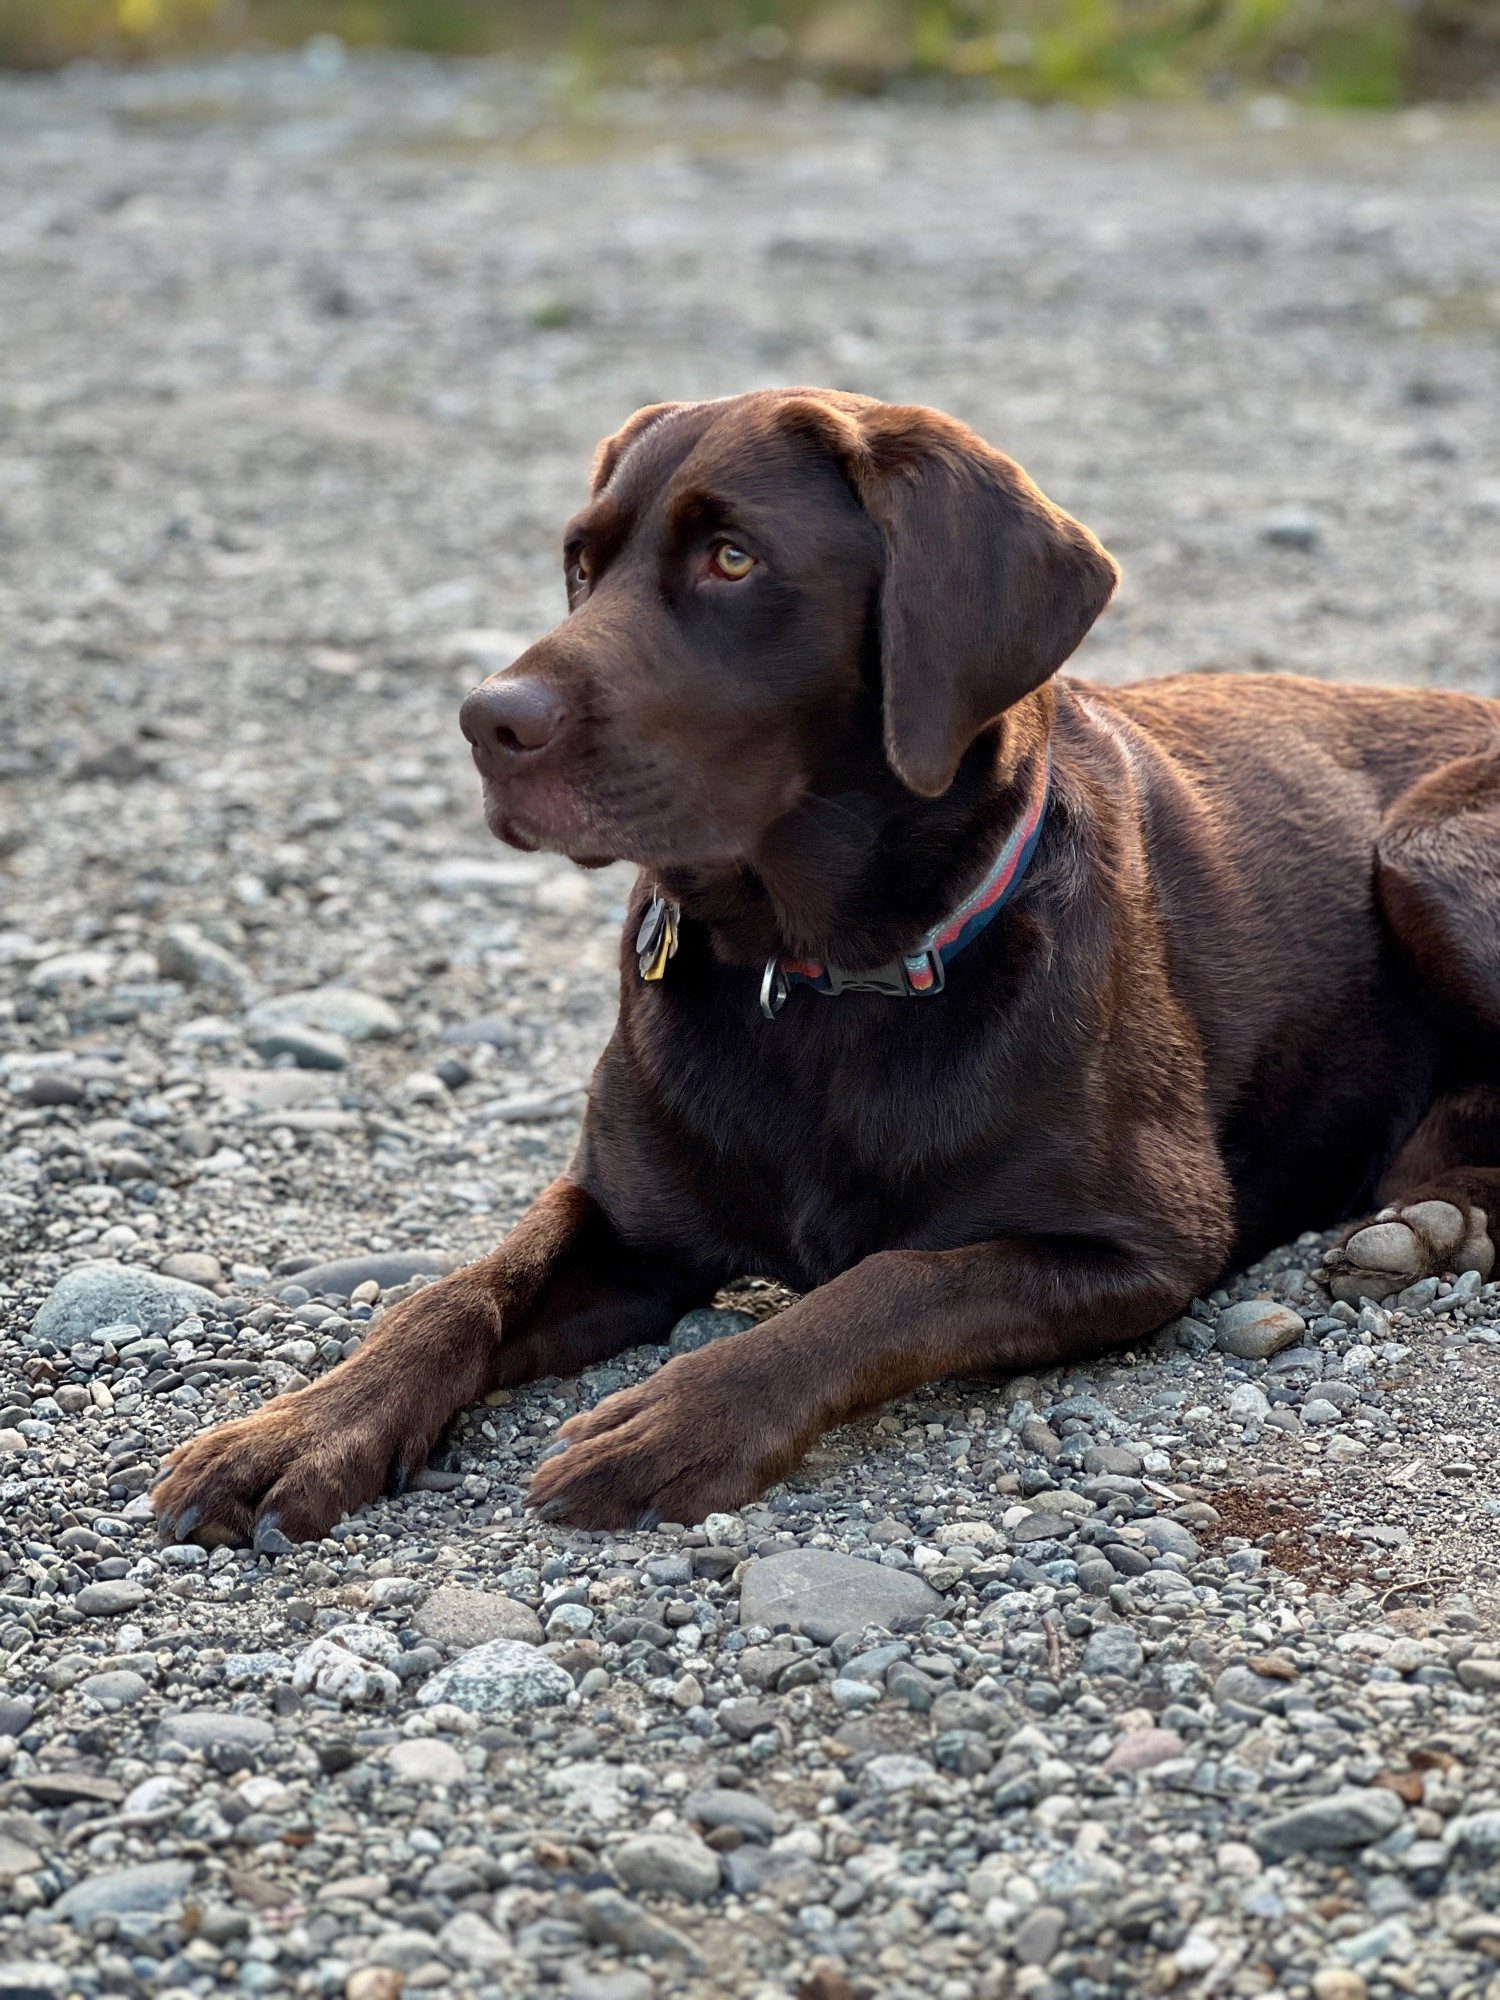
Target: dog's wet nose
[(513, 717)]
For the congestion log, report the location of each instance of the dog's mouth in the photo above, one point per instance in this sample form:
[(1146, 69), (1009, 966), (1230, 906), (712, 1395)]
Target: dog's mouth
[(560, 820)]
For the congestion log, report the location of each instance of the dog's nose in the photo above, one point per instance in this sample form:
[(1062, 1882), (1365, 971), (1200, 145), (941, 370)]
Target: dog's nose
[(513, 717)]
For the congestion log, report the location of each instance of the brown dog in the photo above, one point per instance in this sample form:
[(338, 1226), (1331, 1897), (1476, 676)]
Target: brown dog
[(1248, 983)]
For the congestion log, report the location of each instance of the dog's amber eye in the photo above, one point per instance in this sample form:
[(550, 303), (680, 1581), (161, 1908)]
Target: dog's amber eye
[(583, 566), (732, 562)]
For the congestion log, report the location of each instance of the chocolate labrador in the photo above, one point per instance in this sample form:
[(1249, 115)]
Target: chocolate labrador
[(996, 1013)]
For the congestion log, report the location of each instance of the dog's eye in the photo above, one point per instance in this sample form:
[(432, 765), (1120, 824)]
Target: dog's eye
[(582, 567), (732, 562)]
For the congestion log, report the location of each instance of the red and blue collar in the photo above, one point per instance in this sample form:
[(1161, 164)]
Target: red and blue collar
[(923, 972)]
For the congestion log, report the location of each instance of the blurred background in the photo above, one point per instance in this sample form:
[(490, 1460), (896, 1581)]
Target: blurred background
[(1350, 52)]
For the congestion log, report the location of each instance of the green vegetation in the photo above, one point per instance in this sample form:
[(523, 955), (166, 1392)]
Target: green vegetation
[(1344, 52)]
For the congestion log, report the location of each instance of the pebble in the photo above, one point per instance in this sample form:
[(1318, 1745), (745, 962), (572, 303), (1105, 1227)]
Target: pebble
[(1143, 1749), (708, 1323), (581, 1984), (336, 1010), (109, 1600), (823, 1593), (123, 1688), (427, 1760), (216, 1729), (457, 1617), (150, 1886), (1350, 1818), (1113, 1649), (674, 1864), (1257, 1329), (309, 1048), (501, 1677)]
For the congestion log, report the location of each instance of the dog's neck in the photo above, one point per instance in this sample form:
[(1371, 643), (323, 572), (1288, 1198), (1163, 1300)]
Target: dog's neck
[(862, 869)]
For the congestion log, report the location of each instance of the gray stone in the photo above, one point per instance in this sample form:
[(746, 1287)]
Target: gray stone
[(108, 1600), (457, 1617), (874, 1665), (1038, 1935), (1096, 1575), (1349, 1818), (501, 1677), (149, 1889), (16, 1858), (581, 1984), (123, 1686), (1113, 1649), (1255, 1330), (1171, 1538), (1115, 1458), (467, 1939), (337, 1010), (1249, 1404), (747, 1813), (1250, 1690), (403, 1950), (832, 1591), (491, 1030), (610, 1918), (1476, 1834), (744, 1719), (1291, 528), (384, 1268), (675, 1864), (15, 1716), (194, 1267), (1043, 1527), (1039, 1436), (184, 953), (309, 1048), (213, 1729), (103, 1293), (708, 1323), (1318, 1410)]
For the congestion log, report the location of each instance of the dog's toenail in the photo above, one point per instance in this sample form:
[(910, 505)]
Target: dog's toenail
[(551, 1510), (187, 1522), (650, 1519), (555, 1450), (269, 1540)]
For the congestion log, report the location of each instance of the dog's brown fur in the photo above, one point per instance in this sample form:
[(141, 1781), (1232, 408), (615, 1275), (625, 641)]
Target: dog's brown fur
[(1250, 984)]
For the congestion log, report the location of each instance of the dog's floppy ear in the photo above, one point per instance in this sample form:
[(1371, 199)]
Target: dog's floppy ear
[(987, 586), (611, 450)]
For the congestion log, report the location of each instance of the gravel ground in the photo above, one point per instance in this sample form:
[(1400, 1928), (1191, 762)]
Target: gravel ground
[(1180, 1677)]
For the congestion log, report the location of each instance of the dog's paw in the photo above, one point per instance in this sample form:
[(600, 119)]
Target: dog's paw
[(670, 1450), (281, 1476), (1403, 1245)]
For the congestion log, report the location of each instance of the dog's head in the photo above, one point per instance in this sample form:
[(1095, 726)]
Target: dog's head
[(760, 588)]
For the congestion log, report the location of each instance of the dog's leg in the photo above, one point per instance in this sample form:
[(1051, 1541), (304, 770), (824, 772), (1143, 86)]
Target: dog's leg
[(715, 1427), (1438, 879), (561, 1291)]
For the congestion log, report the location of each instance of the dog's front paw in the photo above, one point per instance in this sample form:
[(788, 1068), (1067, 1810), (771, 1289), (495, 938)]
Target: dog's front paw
[(674, 1449), (281, 1476), (1403, 1245)]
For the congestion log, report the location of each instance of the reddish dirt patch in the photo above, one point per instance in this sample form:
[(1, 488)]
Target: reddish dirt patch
[(1322, 1558)]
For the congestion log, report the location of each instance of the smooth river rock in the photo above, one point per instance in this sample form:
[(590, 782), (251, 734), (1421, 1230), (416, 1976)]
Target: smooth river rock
[(821, 1593), (103, 1293), (1257, 1329), (151, 1887)]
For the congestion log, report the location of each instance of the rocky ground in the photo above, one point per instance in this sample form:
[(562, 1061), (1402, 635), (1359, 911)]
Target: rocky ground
[(1180, 1677)]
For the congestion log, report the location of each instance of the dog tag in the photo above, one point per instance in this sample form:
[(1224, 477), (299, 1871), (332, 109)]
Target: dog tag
[(656, 940)]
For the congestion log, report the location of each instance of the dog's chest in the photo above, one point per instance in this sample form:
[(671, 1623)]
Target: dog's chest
[(844, 1126)]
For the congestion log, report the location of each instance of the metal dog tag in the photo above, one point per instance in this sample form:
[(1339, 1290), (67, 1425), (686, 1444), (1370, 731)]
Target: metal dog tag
[(656, 940)]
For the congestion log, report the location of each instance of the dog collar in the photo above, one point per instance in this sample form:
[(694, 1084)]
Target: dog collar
[(923, 972)]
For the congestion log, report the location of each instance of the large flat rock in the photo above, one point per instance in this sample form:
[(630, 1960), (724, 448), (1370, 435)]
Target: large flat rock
[(819, 1592), (103, 1293)]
